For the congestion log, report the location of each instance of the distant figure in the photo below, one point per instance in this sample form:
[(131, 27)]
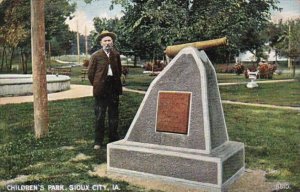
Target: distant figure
[(104, 73)]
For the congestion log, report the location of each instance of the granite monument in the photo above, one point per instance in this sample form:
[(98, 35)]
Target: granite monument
[(179, 133)]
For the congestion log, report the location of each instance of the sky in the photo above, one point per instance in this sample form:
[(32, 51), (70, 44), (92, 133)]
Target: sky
[(100, 8), (290, 10), (86, 12)]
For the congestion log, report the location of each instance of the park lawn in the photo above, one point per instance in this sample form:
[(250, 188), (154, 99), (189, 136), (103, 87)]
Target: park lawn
[(137, 80), (234, 78), (76, 76), (134, 80), (285, 94), (71, 132), (271, 139)]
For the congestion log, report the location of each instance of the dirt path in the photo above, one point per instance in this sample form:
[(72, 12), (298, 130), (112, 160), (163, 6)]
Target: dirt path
[(259, 82), (78, 91)]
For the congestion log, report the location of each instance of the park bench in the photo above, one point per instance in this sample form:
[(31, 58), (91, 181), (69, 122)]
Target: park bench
[(60, 71), (125, 72), (84, 73)]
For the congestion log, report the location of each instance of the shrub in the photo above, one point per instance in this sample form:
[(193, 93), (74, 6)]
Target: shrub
[(266, 70), (239, 68), (158, 65), (224, 68), (86, 63)]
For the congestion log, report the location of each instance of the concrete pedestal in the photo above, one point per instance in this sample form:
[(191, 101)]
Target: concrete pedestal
[(212, 172), (179, 133)]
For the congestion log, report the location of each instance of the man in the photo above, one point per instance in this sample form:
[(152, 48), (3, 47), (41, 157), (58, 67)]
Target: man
[(104, 73)]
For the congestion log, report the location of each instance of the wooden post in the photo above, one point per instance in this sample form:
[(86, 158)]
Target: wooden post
[(86, 43), (289, 47), (39, 68), (78, 45), (49, 47)]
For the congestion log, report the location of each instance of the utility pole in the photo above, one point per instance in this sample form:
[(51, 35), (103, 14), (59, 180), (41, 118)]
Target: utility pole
[(49, 47), (78, 46), (289, 58), (40, 97), (86, 43)]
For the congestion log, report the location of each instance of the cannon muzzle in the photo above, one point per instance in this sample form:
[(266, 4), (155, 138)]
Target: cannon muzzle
[(171, 51)]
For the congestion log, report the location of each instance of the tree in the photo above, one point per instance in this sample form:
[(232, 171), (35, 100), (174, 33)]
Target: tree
[(274, 33), (15, 25), (39, 83), (288, 43), (13, 29), (154, 24), (57, 32)]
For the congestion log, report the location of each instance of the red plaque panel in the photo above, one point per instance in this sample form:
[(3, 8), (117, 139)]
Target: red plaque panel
[(173, 112)]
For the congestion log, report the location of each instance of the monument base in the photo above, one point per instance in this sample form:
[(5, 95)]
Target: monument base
[(211, 172), (252, 84)]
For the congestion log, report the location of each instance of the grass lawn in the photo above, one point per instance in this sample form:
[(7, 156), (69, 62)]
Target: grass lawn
[(271, 144), (51, 160), (271, 136), (135, 79), (286, 94), (76, 76), (139, 81), (233, 78), (271, 139)]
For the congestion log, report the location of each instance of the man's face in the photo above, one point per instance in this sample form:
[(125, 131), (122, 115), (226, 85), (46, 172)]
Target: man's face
[(107, 42)]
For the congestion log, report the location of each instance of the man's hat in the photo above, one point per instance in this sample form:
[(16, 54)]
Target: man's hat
[(106, 33)]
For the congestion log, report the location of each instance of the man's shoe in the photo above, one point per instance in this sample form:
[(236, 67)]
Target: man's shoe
[(96, 147)]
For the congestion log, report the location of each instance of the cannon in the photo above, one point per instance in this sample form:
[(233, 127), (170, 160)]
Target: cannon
[(172, 50)]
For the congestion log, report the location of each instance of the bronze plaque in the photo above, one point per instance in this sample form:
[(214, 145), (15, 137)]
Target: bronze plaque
[(173, 112)]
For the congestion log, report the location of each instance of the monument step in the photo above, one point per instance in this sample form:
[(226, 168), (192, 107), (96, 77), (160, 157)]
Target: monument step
[(214, 171)]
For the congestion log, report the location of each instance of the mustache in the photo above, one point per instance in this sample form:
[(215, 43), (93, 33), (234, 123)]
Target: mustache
[(108, 46)]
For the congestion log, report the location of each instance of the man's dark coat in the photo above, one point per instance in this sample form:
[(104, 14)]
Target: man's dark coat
[(98, 68)]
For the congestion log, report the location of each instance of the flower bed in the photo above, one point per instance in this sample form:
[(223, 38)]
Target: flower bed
[(266, 70), (239, 68)]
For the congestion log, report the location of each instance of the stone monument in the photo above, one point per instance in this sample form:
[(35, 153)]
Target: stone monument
[(179, 133)]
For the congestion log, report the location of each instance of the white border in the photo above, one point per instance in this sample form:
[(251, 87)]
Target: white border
[(171, 180), (218, 92), (204, 95), (166, 153)]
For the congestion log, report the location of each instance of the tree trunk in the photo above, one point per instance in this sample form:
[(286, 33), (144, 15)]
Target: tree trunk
[(11, 58), (3, 55), (135, 60), (276, 55), (293, 69), (39, 68), (26, 63), (24, 59)]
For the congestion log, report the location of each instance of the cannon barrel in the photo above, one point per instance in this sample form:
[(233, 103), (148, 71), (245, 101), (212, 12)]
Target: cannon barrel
[(171, 51)]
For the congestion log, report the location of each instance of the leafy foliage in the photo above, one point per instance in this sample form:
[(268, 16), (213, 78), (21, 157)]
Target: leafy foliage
[(151, 25), (288, 35), (15, 25)]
